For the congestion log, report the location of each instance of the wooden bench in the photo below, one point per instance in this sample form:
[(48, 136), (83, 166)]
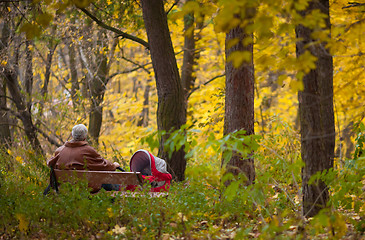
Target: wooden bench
[(95, 179)]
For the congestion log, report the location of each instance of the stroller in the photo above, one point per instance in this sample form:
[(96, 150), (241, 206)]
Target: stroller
[(153, 170)]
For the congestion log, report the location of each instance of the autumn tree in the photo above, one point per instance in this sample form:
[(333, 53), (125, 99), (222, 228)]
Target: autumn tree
[(98, 69), (239, 91), (316, 111), (187, 76), (5, 135), (171, 110), (19, 81)]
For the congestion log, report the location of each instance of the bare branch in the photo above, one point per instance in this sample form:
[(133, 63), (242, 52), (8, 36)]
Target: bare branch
[(49, 138), (7, 97), (173, 5), (204, 84), (115, 30), (353, 4), (137, 64), (10, 111)]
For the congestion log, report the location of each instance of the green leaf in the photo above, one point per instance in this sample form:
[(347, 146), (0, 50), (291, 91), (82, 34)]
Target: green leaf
[(231, 190)]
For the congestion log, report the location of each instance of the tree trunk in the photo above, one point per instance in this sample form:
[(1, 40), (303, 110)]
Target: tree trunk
[(23, 113), (171, 110), (5, 134), (316, 116), (73, 71), (187, 77), (47, 75), (28, 79), (98, 84), (239, 102), (97, 91), (143, 120)]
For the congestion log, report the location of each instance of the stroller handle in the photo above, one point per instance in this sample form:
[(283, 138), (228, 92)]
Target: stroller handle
[(120, 169)]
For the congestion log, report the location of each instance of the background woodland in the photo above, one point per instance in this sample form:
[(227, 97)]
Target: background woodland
[(98, 63)]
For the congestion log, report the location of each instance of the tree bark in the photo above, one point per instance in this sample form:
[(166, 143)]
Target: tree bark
[(28, 79), (171, 110), (143, 120), (316, 116), (97, 88), (239, 102), (23, 113), (187, 77), (97, 85), (47, 74), (5, 134), (73, 70)]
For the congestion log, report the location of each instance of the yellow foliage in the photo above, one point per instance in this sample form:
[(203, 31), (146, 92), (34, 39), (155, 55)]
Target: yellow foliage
[(81, 3), (239, 57), (23, 222), (296, 85), (19, 159), (31, 30), (44, 19)]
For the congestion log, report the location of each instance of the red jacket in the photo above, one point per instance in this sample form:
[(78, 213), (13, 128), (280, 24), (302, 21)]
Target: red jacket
[(79, 155)]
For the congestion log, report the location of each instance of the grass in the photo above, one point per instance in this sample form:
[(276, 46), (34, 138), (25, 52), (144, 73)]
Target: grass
[(199, 208)]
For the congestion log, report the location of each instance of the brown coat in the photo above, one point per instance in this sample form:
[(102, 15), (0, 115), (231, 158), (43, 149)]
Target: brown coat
[(79, 155)]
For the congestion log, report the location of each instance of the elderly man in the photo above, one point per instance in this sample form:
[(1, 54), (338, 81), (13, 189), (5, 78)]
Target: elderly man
[(77, 154)]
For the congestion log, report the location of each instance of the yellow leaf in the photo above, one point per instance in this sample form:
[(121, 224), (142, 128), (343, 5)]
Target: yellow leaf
[(31, 30), (296, 85), (23, 222), (281, 79), (44, 19), (82, 3), (181, 216), (232, 42), (246, 41), (189, 32), (19, 159), (110, 212), (191, 6), (239, 57)]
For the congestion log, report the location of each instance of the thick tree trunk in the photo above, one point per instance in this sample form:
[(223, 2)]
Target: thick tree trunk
[(316, 116), (171, 110), (239, 102)]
